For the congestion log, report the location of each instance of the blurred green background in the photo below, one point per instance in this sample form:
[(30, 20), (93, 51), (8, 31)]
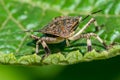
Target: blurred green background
[(18, 15)]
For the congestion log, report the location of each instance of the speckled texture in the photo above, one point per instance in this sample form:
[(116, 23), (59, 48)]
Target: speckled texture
[(61, 26)]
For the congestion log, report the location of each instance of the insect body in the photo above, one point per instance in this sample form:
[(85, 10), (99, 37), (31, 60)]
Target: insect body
[(63, 28)]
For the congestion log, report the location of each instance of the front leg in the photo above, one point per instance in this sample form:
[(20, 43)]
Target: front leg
[(92, 20), (43, 43), (46, 40), (46, 48)]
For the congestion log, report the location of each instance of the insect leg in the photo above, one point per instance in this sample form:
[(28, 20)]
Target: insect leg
[(88, 35), (67, 42), (98, 38), (92, 20), (37, 46), (46, 48), (89, 45), (34, 37), (85, 26), (97, 28)]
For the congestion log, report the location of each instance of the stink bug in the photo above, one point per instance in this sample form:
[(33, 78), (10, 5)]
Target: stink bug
[(63, 28)]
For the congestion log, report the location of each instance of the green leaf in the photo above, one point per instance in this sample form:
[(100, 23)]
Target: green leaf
[(17, 16), (74, 57), (93, 55), (114, 51), (7, 58), (30, 59), (57, 58)]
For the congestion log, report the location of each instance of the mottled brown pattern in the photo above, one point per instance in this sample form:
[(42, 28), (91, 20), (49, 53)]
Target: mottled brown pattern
[(61, 26)]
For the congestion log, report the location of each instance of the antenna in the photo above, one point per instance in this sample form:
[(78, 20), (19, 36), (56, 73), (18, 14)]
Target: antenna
[(32, 31), (91, 14), (81, 20)]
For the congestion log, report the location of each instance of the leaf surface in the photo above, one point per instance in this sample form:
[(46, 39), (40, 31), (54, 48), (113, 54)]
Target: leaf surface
[(17, 16)]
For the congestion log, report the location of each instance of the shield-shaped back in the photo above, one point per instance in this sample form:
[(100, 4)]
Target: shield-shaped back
[(61, 26)]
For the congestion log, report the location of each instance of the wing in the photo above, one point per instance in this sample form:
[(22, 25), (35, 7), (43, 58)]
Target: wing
[(61, 26)]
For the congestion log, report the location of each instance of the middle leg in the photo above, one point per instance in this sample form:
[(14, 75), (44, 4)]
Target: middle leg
[(92, 20)]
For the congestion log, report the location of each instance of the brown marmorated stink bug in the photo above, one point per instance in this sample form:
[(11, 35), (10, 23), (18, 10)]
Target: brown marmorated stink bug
[(63, 28)]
